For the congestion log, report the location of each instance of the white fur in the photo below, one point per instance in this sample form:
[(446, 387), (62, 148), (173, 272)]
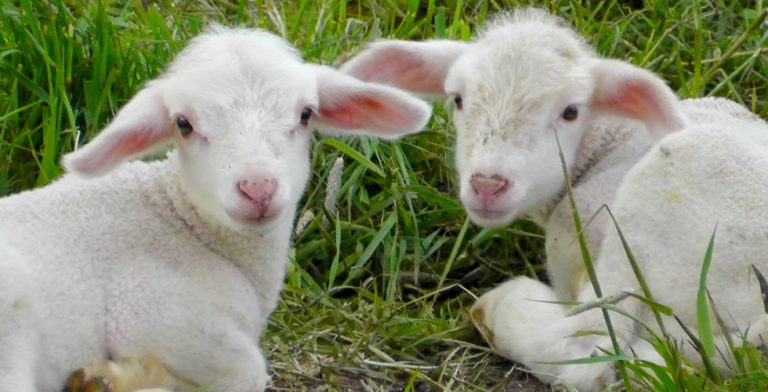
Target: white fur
[(169, 260), (709, 169)]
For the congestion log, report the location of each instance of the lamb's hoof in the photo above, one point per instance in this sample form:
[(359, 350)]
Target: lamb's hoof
[(80, 382), (75, 381)]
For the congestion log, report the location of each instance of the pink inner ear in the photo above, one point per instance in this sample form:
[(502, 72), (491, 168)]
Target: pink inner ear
[(642, 101), (635, 99), (115, 149), (395, 68), (364, 112)]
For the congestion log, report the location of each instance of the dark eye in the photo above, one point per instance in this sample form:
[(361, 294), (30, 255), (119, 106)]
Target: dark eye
[(458, 101), (184, 126), (570, 113), (306, 114)]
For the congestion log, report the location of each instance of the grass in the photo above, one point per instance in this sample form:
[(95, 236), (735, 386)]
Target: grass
[(380, 275)]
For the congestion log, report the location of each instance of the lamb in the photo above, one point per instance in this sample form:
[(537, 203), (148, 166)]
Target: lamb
[(670, 170), (181, 260)]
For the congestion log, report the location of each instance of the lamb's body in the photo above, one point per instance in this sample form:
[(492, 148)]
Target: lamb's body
[(180, 261), (173, 290), (712, 174), (610, 148), (671, 171)]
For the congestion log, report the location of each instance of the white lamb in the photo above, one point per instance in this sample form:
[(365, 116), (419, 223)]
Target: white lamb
[(179, 260), (528, 77)]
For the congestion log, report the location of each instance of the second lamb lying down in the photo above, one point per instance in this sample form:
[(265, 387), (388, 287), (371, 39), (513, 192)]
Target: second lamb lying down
[(178, 261), (671, 171)]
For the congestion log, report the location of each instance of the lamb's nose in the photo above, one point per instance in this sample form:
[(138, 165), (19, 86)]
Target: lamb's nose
[(487, 188), (258, 192)]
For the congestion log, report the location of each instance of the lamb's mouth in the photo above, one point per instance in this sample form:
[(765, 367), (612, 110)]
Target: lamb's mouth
[(252, 220)]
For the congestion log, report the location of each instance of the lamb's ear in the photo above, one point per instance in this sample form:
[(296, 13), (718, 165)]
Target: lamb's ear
[(624, 89), (142, 125), (347, 105), (420, 67)]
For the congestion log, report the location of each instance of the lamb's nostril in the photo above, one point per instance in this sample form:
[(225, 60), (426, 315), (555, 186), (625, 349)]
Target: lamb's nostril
[(476, 181), (506, 184), (489, 186)]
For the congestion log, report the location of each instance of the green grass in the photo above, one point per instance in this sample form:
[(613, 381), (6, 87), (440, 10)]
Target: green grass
[(377, 285)]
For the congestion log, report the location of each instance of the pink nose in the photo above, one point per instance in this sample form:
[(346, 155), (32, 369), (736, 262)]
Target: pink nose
[(258, 192), (488, 189)]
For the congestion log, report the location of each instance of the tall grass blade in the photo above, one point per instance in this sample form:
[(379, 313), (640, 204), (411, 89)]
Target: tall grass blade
[(702, 307), (365, 256), (334, 270), (723, 327), (763, 286), (587, 259), (706, 336), (454, 252), (638, 273), (352, 153)]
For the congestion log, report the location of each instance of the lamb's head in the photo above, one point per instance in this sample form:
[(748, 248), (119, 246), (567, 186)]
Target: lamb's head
[(240, 105), (525, 82)]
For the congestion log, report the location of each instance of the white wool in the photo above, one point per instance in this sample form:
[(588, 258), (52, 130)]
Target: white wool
[(670, 170), (177, 263)]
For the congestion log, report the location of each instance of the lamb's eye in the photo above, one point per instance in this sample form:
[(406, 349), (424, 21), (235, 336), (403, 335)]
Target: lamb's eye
[(306, 114), (184, 126), (570, 113), (459, 102)]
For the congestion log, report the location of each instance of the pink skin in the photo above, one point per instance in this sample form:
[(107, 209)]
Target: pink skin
[(124, 145), (256, 200), (487, 190)]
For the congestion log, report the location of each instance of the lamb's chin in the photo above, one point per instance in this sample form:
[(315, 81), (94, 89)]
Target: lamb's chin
[(491, 218)]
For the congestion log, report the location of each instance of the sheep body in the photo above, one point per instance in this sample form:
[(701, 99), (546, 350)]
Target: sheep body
[(673, 182), (529, 89), (144, 314), (177, 263)]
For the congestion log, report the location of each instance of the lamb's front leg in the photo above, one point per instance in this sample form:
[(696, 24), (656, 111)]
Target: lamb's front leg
[(527, 326), (233, 364), (204, 354), (232, 369), (126, 375)]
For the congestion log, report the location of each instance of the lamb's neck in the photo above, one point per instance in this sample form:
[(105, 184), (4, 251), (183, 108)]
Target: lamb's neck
[(261, 256), (603, 136)]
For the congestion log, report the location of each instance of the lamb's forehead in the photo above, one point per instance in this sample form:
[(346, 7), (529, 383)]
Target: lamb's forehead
[(241, 69), (220, 46), (534, 30), (526, 54)]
